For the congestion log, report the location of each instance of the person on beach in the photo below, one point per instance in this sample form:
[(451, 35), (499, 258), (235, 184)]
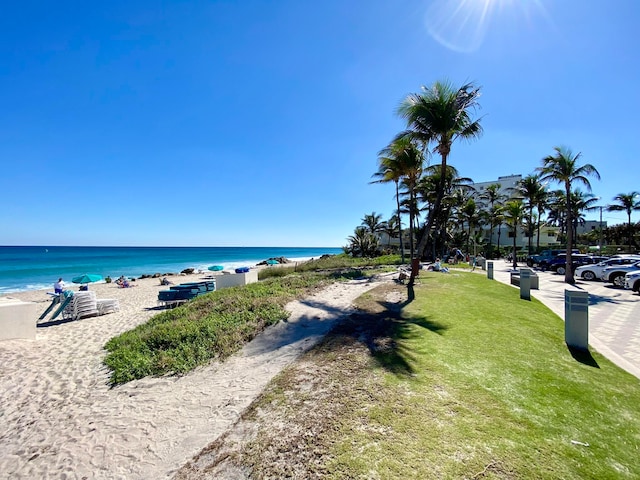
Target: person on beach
[(59, 286)]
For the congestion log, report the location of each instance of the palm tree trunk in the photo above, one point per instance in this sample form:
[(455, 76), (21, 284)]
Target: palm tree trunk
[(530, 228), (399, 222), (515, 237), (630, 232), (422, 244), (568, 274)]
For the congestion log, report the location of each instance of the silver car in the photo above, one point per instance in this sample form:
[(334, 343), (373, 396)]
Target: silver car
[(615, 274), (595, 271), (632, 281)]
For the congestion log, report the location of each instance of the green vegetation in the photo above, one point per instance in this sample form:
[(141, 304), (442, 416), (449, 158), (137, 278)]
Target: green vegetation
[(466, 381), (344, 264), (214, 325), (218, 324)]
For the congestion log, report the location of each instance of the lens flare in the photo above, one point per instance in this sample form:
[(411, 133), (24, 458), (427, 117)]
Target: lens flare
[(461, 25)]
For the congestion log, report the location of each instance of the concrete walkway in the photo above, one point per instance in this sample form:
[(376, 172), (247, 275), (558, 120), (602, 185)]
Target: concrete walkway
[(614, 313)]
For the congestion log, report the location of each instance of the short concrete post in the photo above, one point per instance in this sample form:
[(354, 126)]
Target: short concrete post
[(576, 319), (525, 284), (490, 270)]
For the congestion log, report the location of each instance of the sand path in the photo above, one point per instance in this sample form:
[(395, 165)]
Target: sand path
[(59, 418)]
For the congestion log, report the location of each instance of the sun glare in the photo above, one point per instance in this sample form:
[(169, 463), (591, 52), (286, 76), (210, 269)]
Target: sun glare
[(462, 25)]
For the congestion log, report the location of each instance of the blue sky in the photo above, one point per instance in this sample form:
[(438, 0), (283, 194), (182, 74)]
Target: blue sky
[(259, 122)]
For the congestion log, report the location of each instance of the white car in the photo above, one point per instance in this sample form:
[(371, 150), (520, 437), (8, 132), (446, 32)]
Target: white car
[(632, 281), (615, 274), (595, 271)]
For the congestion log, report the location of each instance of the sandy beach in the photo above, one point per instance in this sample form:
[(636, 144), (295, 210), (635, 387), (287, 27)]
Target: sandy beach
[(60, 419)]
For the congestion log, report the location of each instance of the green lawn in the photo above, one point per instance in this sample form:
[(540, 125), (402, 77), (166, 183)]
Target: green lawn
[(465, 381)]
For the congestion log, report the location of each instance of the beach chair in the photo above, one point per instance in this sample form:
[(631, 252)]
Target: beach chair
[(83, 304), (107, 305)]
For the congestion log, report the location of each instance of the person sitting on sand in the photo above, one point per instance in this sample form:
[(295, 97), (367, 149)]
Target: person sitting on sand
[(166, 281), (59, 286)]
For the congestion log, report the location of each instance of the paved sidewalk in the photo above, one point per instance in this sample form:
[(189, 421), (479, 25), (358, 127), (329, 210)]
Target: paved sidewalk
[(614, 313)]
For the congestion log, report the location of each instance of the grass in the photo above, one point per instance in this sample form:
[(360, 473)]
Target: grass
[(466, 381), (332, 263), (216, 325)]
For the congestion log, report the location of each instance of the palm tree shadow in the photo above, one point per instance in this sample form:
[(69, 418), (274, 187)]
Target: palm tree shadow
[(583, 356), (385, 333)]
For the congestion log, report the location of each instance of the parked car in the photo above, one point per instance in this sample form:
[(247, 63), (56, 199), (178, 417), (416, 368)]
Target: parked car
[(559, 264), (546, 256), (593, 272), (616, 274), (632, 281)]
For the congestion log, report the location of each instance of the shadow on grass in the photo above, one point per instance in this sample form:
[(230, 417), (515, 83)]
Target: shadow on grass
[(583, 356), (384, 333)]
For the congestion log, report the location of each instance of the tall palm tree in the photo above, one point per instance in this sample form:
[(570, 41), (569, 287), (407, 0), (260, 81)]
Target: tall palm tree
[(492, 195), (542, 202), (455, 187), (390, 169), (497, 215), (373, 222), (362, 243), (514, 212), (530, 189), (563, 168), (556, 204), (400, 162), (470, 214), (581, 202), (626, 202), (391, 228), (440, 114)]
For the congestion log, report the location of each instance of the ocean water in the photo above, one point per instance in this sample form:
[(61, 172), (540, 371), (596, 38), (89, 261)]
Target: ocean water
[(35, 268)]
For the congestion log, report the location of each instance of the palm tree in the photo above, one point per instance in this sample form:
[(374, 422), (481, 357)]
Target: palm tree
[(440, 114), (427, 192), (497, 215), (542, 202), (556, 204), (492, 195), (391, 228), (390, 169), (362, 243), (626, 202), (470, 215), (580, 202), (563, 168), (514, 212), (530, 189), (373, 222), (406, 159)]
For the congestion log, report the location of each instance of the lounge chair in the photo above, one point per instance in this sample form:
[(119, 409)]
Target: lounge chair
[(83, 304)]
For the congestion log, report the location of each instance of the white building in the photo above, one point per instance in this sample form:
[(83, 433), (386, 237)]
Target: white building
[(508, 185)]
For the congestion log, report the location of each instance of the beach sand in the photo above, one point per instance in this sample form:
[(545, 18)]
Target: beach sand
[(60, 419)]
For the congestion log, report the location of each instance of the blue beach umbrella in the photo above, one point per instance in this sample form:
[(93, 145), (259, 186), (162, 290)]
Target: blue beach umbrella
[(272, 262), (216, 268), (87, 278)]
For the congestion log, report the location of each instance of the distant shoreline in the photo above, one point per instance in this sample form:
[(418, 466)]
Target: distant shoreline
[(36, 268)]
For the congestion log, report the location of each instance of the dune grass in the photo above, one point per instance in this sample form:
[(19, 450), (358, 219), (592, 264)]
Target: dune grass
[(210, 326), (465, 381), (216, 325), (331, 263)]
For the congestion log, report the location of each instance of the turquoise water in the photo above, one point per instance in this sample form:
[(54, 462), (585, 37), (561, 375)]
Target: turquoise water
[(34, 268)]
